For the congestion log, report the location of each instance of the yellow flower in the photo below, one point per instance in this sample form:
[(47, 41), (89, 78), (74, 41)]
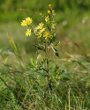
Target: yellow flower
[(39, 30), (38, 35), (28, 20), (42, 30), (50, 5), (49, 12), (40, 26), (46, 34), (23, 23), (28, 32), (47, 18)]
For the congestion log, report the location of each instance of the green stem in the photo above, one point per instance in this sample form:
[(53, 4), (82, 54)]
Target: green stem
[(47, 62), (47, 68)]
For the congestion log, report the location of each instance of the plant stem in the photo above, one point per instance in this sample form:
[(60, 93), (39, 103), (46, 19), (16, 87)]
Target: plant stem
[(48, 82), (47, 62)]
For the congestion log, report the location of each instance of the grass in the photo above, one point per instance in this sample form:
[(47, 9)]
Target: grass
[(23, 87)]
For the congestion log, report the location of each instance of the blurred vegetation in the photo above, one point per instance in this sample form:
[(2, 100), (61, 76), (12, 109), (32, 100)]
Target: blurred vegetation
[(17, 9)]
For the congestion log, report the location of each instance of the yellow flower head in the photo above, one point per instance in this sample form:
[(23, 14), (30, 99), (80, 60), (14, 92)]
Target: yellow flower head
[(46, 34), (50, 5), (42, 30), (40, 26), (28, 20), (23, 23), (28, 32), (39, 33), (39, 30), (49, 12)]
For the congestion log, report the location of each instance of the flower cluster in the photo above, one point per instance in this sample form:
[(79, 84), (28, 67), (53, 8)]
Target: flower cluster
[(26, 22), (41, 31), (44, 29)]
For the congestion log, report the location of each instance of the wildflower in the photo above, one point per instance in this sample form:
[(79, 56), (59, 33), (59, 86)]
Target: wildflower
[(40, 26), (46, 34), (42, 30), (28, 20), (50, 5), (47, 18), (49, 12), (23, 23), (39, 33), (28, 32), (39, 30)]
